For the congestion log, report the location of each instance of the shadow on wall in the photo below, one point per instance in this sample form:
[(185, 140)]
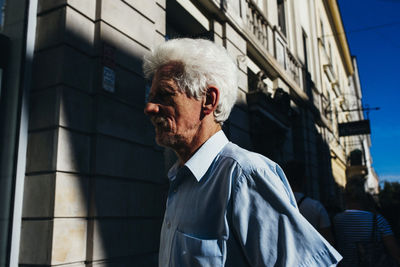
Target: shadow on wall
[(95, 184), (287, 134)]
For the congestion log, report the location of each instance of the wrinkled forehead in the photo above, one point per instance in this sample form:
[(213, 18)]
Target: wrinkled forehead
[(165, 79), (172, 69)]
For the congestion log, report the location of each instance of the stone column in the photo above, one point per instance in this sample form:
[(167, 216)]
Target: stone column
[(95, 185)]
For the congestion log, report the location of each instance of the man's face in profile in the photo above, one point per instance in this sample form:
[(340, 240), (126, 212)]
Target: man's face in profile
[(175, 115)]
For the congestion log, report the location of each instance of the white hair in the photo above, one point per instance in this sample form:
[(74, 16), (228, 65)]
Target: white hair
[(204, 64)]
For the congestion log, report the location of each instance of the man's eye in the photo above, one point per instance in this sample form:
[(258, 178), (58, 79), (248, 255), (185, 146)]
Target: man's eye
[(165, 94), (165, 97), (161, 97)]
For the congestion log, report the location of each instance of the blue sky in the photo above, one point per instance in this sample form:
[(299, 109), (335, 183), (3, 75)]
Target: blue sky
[(373, 33)]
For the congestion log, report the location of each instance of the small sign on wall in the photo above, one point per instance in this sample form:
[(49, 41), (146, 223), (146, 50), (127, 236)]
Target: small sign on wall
[(108, 68), (354, 128), (108, 79)]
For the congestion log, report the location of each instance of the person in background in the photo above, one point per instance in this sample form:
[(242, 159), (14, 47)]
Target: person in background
[(311, 209), (356, 224), (226, 206)]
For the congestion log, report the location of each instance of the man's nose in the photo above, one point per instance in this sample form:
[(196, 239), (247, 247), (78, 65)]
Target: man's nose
[(151, 108)]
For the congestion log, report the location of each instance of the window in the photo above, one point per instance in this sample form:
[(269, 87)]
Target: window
[(305, 50), (307, 82), (281, 16), (181, 23), (322, 33)]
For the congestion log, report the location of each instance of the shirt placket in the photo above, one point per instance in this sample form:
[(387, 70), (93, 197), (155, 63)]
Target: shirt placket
[(172, 215)]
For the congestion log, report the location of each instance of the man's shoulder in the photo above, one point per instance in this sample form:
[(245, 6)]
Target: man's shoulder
[(247, 160), (315, 207), (313, 202), (257, 170)]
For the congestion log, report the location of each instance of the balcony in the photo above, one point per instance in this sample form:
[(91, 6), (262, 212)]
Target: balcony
[(257, 25), (270, 40)]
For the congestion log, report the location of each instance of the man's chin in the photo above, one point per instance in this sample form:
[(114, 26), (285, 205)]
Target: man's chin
[(164, 141)]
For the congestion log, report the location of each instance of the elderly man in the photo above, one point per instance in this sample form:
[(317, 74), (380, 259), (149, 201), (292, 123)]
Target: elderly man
[(226, 206)]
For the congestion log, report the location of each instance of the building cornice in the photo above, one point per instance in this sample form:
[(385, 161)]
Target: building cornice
[(341, 35)]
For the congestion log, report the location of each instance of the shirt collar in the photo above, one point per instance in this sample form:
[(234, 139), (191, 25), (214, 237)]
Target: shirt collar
[(199, 163)]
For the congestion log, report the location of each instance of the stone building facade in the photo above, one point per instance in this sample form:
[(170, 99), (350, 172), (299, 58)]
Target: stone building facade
[(89, 183)]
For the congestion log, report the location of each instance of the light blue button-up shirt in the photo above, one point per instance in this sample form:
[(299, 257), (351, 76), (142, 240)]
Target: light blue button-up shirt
[(231, 207)]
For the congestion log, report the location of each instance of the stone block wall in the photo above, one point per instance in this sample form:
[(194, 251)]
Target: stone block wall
[(238, 125), (95, 181)]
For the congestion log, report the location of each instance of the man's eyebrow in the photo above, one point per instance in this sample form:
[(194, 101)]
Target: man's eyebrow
[(166, 86), (162, 91)]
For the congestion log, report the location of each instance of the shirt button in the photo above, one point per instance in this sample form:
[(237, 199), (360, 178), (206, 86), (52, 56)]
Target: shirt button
[(168, 224)]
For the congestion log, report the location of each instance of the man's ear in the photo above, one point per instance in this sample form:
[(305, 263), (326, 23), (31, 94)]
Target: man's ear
[(211, 100)]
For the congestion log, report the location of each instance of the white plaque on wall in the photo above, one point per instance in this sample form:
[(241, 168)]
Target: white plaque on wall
[(108, 79)]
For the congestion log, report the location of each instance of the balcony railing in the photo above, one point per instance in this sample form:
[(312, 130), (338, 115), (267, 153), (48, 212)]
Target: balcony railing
[(271, 40), (293, 66), (257, 24)]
